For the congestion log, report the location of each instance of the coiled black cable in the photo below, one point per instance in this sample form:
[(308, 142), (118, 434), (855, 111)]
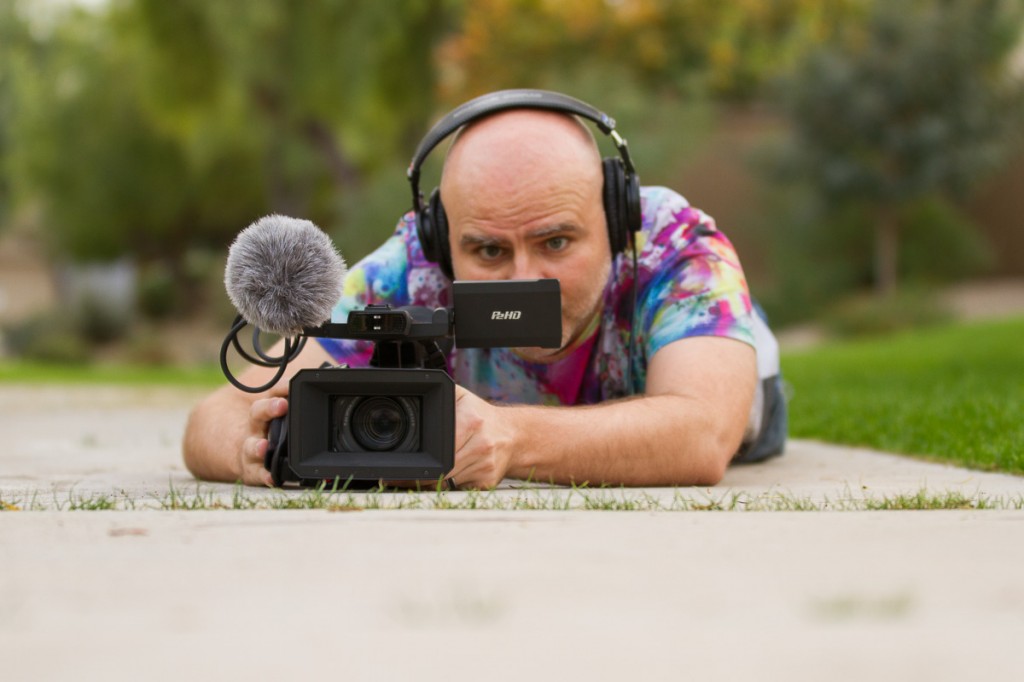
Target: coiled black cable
[(292, 348)]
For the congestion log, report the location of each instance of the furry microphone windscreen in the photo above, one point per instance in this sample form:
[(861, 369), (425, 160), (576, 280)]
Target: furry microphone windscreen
[(283, 275)]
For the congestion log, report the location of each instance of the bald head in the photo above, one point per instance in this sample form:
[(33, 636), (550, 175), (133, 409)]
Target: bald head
[(511, 151)]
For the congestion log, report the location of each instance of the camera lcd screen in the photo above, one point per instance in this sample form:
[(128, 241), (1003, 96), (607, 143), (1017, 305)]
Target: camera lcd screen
[(508, 313)]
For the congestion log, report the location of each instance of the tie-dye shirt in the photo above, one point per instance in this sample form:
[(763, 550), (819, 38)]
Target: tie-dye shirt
[(690, 284)]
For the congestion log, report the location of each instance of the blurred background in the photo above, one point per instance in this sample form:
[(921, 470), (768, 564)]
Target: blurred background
[(863, 155)]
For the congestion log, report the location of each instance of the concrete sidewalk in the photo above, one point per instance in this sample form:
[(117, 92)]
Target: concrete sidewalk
[(442, 594)]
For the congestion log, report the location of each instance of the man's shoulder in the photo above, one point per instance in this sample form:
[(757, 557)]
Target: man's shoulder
[(664, 208), (668, 217), (654, 198)]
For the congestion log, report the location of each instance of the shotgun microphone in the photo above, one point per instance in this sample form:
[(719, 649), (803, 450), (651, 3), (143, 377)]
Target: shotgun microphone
[(283, 275)]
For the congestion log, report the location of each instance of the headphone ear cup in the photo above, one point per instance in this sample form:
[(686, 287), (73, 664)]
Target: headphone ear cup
[(632, 209), (425, 231), (614, 195), (440, 249)]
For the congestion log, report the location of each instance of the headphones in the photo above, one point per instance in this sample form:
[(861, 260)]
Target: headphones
[(621, 191)]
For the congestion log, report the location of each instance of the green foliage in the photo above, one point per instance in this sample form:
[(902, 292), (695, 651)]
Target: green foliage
[(821, 257), (942, 243), (817, 258), (97, 322), (910, 103), (951, 394), (150, 128), (15, 46), (874, 315), (109, 181), (45, 337), (157, 294), (67, 335), (728, 49), (913, 105), (318, 95)]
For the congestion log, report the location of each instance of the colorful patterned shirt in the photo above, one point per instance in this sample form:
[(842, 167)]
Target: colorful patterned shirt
[(690, 283)]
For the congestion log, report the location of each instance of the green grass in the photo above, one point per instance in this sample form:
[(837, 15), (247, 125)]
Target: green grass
[(134, 375), (953, 394)]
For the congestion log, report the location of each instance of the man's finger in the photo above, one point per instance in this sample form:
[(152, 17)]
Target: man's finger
[(266, 409), (254, 452)]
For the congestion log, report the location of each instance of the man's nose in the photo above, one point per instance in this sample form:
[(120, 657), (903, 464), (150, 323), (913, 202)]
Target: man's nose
[(525, 267)]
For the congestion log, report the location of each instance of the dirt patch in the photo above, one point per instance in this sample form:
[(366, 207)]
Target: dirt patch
[(986, 299)]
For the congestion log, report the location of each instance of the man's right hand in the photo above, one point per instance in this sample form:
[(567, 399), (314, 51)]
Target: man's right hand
[(254, 447), (226, 434)]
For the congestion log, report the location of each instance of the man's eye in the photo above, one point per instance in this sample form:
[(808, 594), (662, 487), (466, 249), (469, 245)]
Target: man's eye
[(490, 252), (557, 243)]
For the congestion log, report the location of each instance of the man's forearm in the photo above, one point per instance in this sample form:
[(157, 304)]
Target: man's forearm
[(213, 437), (652, 440)]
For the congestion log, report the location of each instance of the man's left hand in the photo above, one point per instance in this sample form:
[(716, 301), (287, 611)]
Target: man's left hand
[(484, 441)]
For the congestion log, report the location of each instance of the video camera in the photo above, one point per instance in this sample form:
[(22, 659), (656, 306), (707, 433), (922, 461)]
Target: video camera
[(395, 420)]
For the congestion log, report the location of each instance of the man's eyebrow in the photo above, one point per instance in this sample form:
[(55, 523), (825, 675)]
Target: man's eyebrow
[(481, 240), (540, 233), (553, 230)]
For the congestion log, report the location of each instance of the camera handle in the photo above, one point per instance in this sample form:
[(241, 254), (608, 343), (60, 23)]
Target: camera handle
[(421, 353), (277, 450)]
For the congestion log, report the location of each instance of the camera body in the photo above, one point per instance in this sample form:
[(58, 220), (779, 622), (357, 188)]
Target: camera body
[(395, 420)]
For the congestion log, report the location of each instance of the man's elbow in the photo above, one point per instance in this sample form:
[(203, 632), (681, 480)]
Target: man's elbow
[(720, 442), (710, 471), (189, 446), (713, 454), (198, 438)]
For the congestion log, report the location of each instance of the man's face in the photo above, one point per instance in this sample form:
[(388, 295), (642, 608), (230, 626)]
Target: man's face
[(507, 221)]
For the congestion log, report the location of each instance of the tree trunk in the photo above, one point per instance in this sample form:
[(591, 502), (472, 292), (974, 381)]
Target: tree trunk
[(886, 251)]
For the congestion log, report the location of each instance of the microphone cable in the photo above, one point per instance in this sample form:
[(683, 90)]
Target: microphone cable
[(292, 348)]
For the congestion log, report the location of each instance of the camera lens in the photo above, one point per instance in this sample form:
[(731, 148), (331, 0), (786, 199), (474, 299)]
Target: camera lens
[(376, 423), (380, 423)]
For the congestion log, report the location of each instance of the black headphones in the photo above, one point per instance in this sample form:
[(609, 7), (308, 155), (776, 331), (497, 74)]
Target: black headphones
[(621, 193)]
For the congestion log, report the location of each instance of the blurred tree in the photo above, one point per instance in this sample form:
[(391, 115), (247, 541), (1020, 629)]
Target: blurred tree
[(665, 69), (108, 182), (16, 46), (906, 109), (149, 127), (326, 91), (728, 49)]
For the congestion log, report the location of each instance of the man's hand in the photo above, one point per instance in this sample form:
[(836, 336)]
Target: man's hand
[(254, 448), (226, 434), (484, 441)]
